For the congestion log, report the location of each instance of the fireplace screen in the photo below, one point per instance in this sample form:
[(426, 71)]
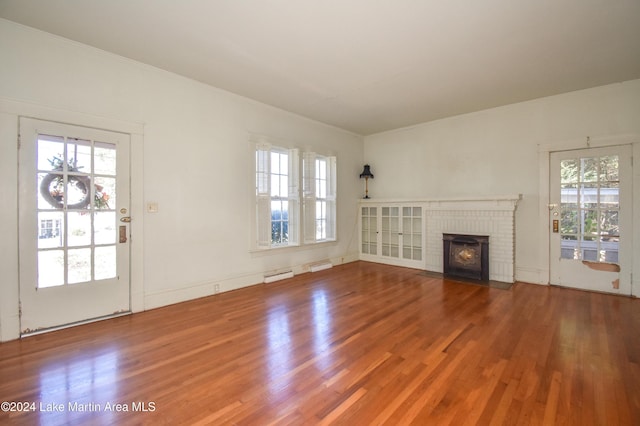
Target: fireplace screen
[(466, 256)]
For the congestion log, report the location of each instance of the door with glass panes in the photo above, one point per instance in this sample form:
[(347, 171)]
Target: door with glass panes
[(590, 219), (74, 224)]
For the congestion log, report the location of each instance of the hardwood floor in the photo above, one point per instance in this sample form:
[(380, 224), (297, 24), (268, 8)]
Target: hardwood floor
[(358, 344)]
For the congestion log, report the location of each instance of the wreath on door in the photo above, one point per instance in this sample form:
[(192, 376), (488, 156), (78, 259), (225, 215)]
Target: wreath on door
[(53, 191)]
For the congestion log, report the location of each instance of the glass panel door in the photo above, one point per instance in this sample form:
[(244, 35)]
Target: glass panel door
[(590, 213), (74, 255)]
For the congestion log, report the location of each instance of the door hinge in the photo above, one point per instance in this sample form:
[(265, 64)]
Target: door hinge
[(19, 141), (20, 309)]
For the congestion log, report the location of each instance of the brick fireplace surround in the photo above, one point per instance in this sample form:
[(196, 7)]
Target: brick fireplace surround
[(492, 216)]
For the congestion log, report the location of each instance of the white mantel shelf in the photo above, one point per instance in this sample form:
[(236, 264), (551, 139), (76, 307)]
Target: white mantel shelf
[(491, 202)]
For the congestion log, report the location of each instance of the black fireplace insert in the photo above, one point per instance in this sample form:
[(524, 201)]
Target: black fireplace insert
[(466, 256)]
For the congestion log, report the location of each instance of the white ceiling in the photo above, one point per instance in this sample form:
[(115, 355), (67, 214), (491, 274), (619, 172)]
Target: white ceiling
[(363, 65)]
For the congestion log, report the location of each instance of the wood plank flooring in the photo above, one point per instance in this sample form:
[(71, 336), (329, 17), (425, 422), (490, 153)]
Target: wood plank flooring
[(359, 344)]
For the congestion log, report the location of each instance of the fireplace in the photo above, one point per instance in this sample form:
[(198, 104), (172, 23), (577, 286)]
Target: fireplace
[(466, 256)]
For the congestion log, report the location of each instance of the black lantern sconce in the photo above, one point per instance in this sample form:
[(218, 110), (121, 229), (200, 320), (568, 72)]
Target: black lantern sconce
[(366, 174)]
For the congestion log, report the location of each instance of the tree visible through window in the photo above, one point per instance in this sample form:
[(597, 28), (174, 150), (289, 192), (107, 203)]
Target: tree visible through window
[(590, 208), (279, 198)]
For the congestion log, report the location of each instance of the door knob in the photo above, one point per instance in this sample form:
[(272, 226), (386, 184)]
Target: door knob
[(126, 219)]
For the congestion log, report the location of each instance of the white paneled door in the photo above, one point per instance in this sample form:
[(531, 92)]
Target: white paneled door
[(74, 224), (590, 214)]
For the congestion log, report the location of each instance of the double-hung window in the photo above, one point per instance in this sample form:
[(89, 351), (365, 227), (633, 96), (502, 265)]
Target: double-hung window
[(277, 196), (319, 197), (280, 215)]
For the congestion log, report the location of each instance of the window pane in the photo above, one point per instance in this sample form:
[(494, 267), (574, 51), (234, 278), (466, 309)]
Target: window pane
[(105, 193), (279, 222), (569, 195), (50, 191), (79, 229), (50, 268), (78, 192), (104, 228), (589, 170), (589, 195), (50, 152), (569, 221), (609, 169), (50, 230), (321, 169), (105, 262), (609, 229), (610, 195), (275, 163), (79, 265), (79, 156), (275, 185), (569, 171), (417, 225), (284, 186), (104, 158), (590, 223), (321, 189)]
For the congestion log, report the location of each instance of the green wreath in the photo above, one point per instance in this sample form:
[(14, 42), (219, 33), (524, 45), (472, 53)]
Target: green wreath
[(52, 187)]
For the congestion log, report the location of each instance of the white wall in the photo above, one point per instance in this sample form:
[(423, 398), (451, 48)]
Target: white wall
[(496, 152), (195, 163)]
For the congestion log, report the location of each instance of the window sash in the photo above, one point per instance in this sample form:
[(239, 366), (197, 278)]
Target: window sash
[(266, 194), (319, 192)]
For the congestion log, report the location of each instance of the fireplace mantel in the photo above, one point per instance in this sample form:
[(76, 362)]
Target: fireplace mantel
[(492, 216), (508, 202), (492, 202)]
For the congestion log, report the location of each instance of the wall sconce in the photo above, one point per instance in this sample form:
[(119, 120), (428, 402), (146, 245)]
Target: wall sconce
[(366, 174)]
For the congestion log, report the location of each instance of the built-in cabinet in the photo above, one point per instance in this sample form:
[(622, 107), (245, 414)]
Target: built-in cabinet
[(392, 233)]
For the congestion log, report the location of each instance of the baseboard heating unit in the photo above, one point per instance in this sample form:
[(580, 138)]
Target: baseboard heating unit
[(320, 266), (278, 276)]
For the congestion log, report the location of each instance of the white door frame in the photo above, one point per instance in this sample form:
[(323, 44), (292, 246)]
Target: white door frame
[(11, 111), (544, 157)]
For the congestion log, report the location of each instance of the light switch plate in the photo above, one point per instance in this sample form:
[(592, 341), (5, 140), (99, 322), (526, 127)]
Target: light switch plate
[(152, 207)]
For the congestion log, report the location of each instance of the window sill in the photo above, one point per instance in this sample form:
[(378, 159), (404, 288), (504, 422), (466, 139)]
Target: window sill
[(285, 249)]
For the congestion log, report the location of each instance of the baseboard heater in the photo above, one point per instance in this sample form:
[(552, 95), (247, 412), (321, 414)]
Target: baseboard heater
[(278, 276), (320, 266)]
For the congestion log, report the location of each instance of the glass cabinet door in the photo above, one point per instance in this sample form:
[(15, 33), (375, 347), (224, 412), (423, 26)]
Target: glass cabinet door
[(412, 233), (369, 230), (390, 231)]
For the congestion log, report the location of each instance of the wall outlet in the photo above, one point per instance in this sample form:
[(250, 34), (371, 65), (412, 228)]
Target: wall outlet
[(216, 289)]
